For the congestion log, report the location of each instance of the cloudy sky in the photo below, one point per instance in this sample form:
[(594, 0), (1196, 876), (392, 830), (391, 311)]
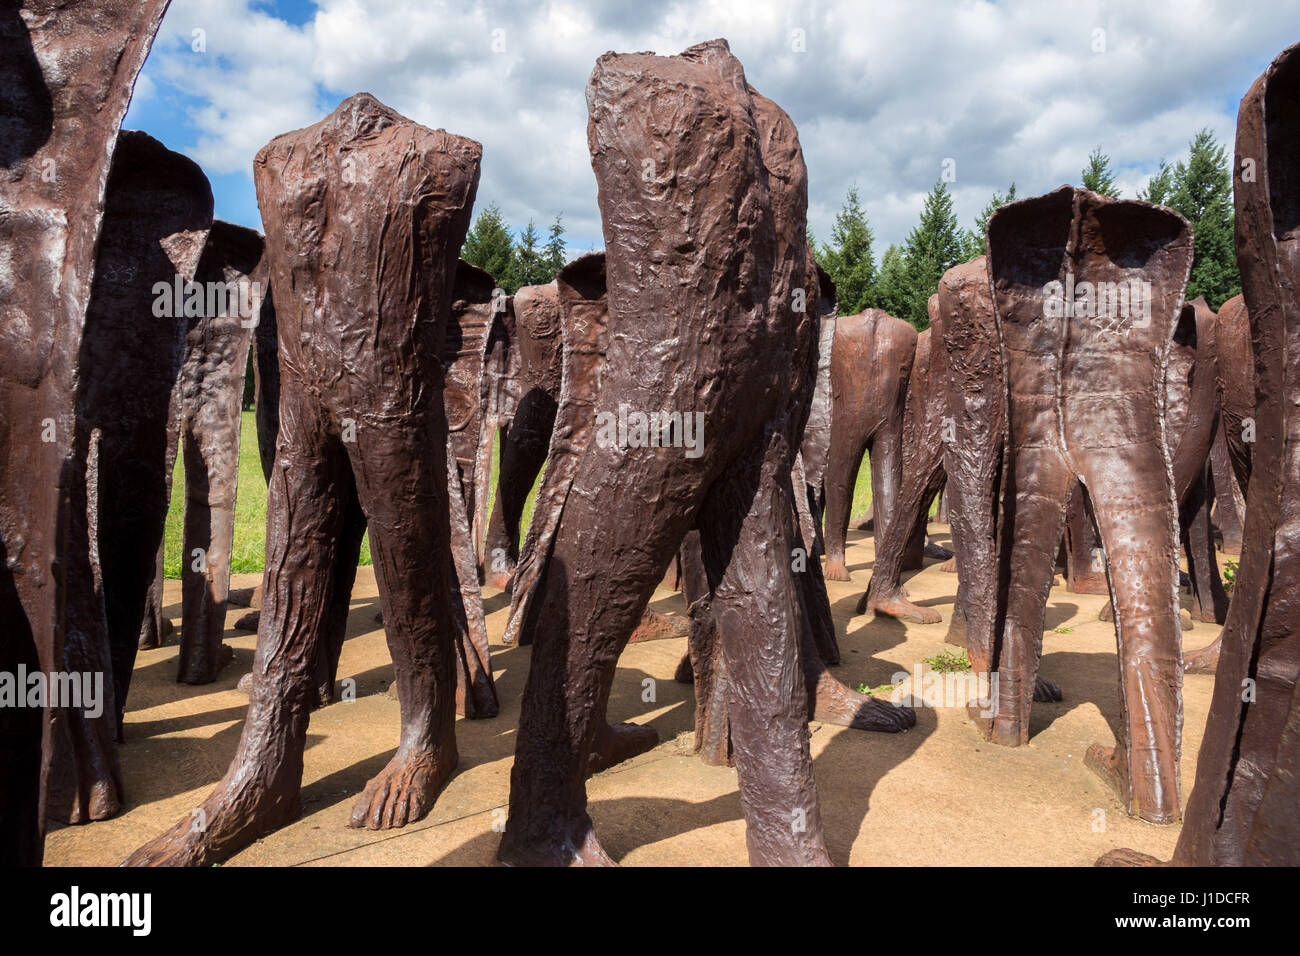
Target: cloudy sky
[(883, 93)]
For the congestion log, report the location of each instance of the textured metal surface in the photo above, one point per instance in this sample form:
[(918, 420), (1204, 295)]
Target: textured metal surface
[(158, 210), (922, 476), (523, 391), (870, 367), (1086, 402), (364, 275), (208, 422), (1242, 809), (693, 331), (66, 71)]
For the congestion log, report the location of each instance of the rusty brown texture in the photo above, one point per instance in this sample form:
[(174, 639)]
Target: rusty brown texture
[(207, 421), (158, 210), (1085, 396), (66, 74), (699, 332), (1242, 808), (523, 389), (365, 212), (870, 368), (922, 477)]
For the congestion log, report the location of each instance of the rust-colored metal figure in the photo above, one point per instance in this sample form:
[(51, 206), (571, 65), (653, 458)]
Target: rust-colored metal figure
[(158, 210), (1191, 418), (870, 368), (521, 392), (1085, 375), (1237, 430), (209, 397), (1242, 808), (66, 73), (974, 444), (922, 478), (701, 324), (829, 700), (365, 212)]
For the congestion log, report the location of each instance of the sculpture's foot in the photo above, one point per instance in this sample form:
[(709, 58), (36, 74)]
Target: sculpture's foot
[(379, 618), (685, 673), (1107, 613), (225, 654), (584, 852), (657, 627), (149, 639), (248, 621), (1126, 857), (1046, 691), (227, 821), (864, 523), (1090, 583), (937, 552), (836, 704), (240, 597), (618, 742), (245, 685), (74, 801), (949, 566), (1206, 660), (1106, 763), (900, 609), (835, 570), (405, 790)]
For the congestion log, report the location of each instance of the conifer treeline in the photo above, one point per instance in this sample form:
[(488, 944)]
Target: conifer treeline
[(514, 261), (1199, 187)]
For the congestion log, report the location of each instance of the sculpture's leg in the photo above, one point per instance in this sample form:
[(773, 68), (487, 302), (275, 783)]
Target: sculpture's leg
[(707, 666), (746, 519), (1040, 483), (211, 442), (1209, 600), (153, 628), (580, 635), (346, 555), (523, 454), (844, 461), (1141, 552), (262, 789), (401, 469), (85, 781), (1227, 509), (884, 593), (1085, 564)]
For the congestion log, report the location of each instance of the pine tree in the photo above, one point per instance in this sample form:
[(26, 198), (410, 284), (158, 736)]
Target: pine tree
[(553, 254), (976, 239), (1161, 186), (847, 259), (528, 265), (1202, 191), (932, 248), (488, 245), (891, 281), (1097, 175)]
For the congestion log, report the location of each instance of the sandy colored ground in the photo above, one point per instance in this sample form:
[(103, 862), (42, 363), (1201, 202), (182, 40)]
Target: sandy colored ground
[(937, 795)]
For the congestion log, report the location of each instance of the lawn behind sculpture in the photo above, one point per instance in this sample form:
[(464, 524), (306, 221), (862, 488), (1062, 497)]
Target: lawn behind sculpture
[(249, 553)]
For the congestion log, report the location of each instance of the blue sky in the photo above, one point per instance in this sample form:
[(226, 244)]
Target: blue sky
[(882, 93)]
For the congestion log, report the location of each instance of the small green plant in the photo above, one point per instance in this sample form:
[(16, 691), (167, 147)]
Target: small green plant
[(1063, 629), (1229, 575), (881, 691), (948, 662)]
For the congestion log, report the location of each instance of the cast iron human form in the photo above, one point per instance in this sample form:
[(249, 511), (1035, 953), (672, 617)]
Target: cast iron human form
[(365, 213), (1085, 400), (699, 321)]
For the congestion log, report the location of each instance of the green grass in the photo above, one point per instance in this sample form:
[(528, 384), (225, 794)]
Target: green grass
[(949, 662), (249, 553)]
